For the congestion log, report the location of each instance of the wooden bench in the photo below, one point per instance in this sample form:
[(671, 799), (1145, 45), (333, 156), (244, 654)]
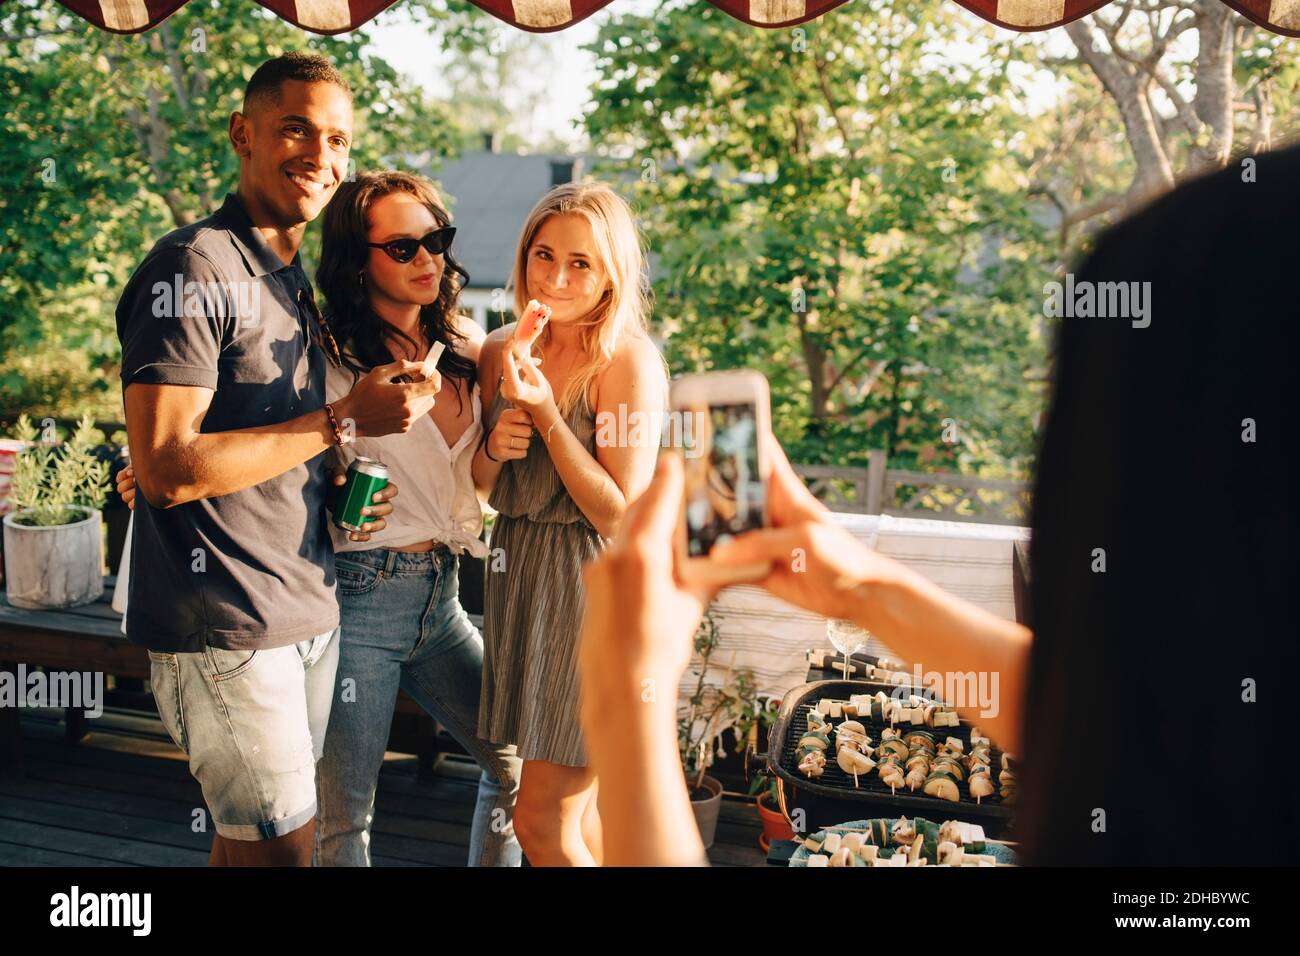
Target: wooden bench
[(90, 638)]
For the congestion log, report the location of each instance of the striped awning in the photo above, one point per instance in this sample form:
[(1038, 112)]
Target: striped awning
[(539, 16)]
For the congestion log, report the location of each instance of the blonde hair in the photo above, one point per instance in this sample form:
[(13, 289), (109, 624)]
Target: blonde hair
[(624, 308)]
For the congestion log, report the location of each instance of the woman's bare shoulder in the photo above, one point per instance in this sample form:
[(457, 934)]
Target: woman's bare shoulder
[(636, 366), (636, 355)]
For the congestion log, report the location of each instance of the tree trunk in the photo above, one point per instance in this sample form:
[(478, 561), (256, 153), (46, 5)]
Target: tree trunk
[(815, 361), (1215, 25), (1129, 92)]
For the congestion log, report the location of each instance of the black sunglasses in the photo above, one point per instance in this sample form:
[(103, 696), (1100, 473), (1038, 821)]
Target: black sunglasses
[(404, 250)]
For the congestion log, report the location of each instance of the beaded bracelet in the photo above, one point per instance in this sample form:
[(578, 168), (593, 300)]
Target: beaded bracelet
[(334, 424)]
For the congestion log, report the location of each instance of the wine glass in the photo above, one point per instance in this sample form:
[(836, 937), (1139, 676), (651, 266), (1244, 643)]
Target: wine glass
[(847, 638)]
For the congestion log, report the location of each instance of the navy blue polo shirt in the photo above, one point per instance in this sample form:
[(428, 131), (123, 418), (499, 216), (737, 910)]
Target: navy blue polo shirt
[(212, 306)]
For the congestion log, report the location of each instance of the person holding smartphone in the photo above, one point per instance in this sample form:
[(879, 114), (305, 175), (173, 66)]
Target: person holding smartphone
[(641, 615), (1150, 704)]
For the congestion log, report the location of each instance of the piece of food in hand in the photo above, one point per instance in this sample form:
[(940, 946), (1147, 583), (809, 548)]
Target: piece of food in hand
[(431, 360), (531, 324)]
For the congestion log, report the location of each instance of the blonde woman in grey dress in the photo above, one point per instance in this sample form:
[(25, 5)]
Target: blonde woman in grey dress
[(571, 423)]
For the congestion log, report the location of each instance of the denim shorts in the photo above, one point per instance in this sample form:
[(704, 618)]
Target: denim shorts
[(253, 725)]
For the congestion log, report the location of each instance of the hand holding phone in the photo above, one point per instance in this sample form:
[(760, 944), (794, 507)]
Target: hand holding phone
[(721, 418)]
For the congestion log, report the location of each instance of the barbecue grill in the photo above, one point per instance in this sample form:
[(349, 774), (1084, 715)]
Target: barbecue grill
[(831, 798)]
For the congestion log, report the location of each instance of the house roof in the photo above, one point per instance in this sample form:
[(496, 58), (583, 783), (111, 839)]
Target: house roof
[(490, 195)]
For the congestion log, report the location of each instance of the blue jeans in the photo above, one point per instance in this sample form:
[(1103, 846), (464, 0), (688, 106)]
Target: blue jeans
[(402, 625)]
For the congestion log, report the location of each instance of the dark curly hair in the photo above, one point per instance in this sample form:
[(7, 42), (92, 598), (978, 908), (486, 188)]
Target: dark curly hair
[(362, 335)]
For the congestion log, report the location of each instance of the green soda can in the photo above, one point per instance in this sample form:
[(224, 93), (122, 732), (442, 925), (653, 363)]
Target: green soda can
[(365, 477)]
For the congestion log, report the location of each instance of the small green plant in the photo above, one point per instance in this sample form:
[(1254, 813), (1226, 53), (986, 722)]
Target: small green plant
[(767, 786), (55, 482), (711, 709)]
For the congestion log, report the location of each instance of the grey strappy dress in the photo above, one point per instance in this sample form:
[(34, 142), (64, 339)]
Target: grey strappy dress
[(533, 607)]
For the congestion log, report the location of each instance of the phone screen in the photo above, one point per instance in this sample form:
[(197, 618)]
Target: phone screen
[(725, 491)]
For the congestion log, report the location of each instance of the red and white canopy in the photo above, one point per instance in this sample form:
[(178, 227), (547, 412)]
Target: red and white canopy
[(339, 16)]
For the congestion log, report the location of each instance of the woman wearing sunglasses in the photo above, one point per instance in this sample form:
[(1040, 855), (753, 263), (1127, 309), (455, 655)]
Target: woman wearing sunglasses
[(392, 286)]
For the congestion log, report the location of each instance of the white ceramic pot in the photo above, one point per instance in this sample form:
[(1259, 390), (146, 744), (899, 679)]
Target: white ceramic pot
[(56, 566)]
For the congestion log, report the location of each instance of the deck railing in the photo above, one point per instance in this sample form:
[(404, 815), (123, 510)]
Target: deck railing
[(877, 489)]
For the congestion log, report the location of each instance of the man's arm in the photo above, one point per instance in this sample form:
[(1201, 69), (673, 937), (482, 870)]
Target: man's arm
[(170, 359), (176, 463)]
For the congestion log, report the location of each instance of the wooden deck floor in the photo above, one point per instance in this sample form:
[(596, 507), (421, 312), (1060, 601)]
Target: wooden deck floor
[(123, 796)]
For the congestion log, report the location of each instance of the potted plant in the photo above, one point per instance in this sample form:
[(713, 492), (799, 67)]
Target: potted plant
[(760, 716), (775, 825), (53, 542), (710, 709)]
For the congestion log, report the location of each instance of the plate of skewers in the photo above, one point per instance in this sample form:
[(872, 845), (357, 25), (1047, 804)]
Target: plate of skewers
[(902, 841)]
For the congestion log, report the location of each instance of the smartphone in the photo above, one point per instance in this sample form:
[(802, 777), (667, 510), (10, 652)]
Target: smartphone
[(721, 418)]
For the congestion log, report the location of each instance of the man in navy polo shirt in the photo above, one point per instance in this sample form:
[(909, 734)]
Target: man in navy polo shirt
[(223, 369)]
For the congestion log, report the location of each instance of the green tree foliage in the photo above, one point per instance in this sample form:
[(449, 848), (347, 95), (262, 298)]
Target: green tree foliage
[(111, 141), (840, 205)]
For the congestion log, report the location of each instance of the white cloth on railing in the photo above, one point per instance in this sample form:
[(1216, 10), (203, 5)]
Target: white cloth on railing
[(770, 637)]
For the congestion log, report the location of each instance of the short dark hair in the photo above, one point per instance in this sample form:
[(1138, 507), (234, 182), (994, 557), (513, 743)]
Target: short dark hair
[(305, 67)]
